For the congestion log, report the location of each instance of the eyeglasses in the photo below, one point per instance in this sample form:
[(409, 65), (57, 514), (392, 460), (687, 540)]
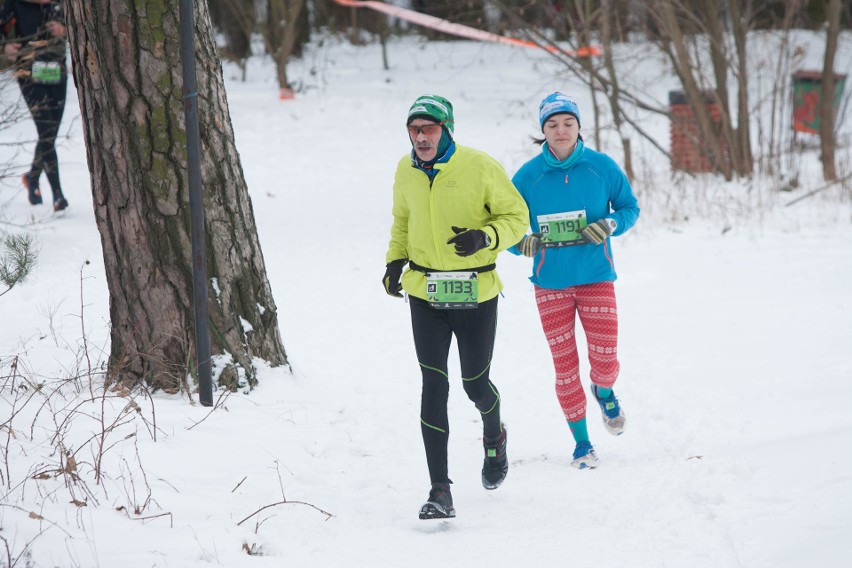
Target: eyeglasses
[(429, 129)]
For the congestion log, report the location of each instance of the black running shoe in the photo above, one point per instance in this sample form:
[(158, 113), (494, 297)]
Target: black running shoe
[(496, 464), (440, 503), (60, 204), (33, 192)]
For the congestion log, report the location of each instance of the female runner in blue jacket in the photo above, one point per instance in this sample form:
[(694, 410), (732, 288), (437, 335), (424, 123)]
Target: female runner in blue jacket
[(577, 199)]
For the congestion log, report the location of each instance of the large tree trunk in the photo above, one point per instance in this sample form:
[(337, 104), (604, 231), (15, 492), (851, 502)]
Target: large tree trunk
[(127, 68)]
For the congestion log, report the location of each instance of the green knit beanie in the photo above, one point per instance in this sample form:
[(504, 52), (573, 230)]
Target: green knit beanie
[(433, 107)]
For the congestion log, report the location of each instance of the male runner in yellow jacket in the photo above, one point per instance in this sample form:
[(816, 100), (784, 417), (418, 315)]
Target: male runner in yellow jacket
[(454, 209)]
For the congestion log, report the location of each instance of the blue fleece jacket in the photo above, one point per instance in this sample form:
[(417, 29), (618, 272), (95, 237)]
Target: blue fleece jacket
[(594, 185)]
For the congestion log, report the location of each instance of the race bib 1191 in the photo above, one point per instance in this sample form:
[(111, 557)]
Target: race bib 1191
[(562, 229)]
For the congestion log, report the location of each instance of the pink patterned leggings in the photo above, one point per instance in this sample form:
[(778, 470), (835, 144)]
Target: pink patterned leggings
[(598, 314)]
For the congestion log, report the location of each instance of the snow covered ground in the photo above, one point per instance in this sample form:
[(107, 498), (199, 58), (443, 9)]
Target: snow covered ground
[(735, 312)]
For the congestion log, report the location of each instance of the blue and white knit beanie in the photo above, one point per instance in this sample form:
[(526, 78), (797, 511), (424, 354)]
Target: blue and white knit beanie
[(433, 107), (557, 103)]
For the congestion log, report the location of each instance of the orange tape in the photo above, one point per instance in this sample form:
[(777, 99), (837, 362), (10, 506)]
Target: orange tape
[(460, 30)]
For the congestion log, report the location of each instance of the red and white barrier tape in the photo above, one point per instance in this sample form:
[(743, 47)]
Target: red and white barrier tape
[(459, 30)]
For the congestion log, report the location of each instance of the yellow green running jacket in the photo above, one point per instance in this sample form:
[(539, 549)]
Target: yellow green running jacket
[(470, 190)]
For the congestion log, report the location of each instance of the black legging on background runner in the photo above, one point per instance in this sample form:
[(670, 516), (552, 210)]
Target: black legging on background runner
[(433, 331), (46, 104)]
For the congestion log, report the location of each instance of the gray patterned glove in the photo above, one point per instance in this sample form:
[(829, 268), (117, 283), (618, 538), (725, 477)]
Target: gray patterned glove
[(597, 232), (530, 245)]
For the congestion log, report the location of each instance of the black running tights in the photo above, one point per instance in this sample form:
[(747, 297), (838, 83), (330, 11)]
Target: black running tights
[(46, 104), (433, 331)]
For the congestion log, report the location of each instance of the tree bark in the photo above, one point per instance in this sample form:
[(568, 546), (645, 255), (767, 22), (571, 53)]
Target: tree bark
[(826, 119), (127, 68), (745, 159), (712, 25)]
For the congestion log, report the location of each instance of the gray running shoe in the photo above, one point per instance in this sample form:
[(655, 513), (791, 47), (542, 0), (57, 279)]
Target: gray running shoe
[(613, 415)]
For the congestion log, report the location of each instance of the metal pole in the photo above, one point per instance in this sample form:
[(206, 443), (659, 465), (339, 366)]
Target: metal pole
[(196, 205)]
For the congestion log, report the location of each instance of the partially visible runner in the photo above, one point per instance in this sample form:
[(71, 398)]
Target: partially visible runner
[(33, 34)]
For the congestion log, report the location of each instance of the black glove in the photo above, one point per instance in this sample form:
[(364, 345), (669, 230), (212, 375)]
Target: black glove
[(530, 245), (597, 232), (468, 241), (392, 275)]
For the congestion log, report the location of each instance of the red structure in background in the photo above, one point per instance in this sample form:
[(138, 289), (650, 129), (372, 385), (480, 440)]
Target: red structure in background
[(688, 152)]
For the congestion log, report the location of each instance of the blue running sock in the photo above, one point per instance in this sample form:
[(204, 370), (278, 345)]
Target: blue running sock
[(579, 430), (603, 393)]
